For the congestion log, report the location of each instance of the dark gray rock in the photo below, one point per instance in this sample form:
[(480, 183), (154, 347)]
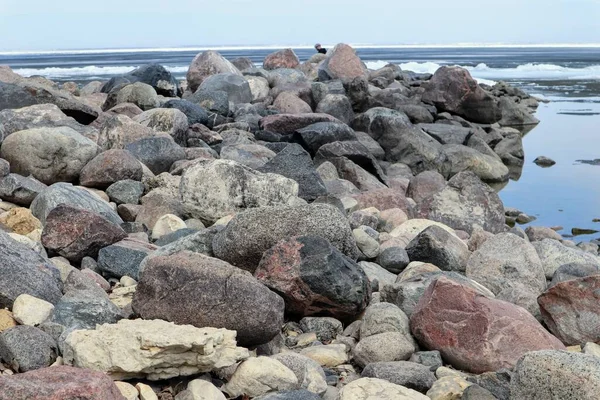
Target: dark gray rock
[(514, 114), (439, 247), (252, 232), (417, 114), (26, 272), (243, 63), (543, 161), (124, 258), (65, 193), (408, 374), (157, 153), (4, 168), (222, 296), (295, 163), (194, 113), (84, 305), (26, 348), (497, 383), (216, 103), (430, 359), (290, 395), (175, 236), (156, 76), (448, 134), (316, 135), (19, 189), (476, 392), (126, 191), (353, 151), (325, 281), (338, 106), (393, 259)]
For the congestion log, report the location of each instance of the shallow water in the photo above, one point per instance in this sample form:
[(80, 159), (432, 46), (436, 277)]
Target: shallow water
[(568, 193)]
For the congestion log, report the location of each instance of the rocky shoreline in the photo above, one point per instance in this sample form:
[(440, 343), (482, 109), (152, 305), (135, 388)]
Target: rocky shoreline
[(298, 231)]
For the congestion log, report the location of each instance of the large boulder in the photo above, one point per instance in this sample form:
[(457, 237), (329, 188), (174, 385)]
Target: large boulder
[(452, 89), (556, 375), (118, 131), (571, 310), (295, 163), (156, 76), (234, 85), (49, 154), (487, 334), (460, 158), (287, 124), (119, 350), (514, 114), (157, 153), (26, 94), (555, 254), (64, 193), (26, 272), (507, 261), (313, 136), (341, 63), (142, 95), (313, 277), (206, 64), (401, 141), (437, 246), (222, 296), (75, 233), (59, 383), (464, 203), (170, 121), (214, 189), (249, 234), (285, 58), (38, 116), (109, 167)]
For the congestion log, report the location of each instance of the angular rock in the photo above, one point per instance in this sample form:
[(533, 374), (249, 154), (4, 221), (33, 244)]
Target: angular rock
[(26, 348), (194, 113), (287, 124), (514, 114), (439, 247), (26, 272), (281, 59), (125, 192), (75, 233), (464, 203), (507, 261), (222, 296), (206, 64), (338, 106), (408, 374), (489, 334), (20, 221), (233, 85), (556, 375), (49, 154), (64, 193), (370, 388), (341, 63), (20, 190), (59, 383), (157, 153), (244, 239), (314, 278), (571, 310), (124, 258), (554, 254), (211, 190), (121, 349), (452, 89), (109, 167)]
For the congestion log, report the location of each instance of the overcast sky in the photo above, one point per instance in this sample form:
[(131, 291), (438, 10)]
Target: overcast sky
[(77, 24)]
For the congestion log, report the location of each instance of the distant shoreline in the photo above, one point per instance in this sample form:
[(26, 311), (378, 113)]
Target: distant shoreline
[(269, 47)]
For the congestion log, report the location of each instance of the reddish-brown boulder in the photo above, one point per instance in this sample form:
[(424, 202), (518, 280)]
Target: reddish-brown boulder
[(286, 124), (59, 383), (383, 199), (342, 63), (452, 89), (571, 310), (289, 103), (109, 167), (285, 58), (75, 233), (475, 333), (313, 277)]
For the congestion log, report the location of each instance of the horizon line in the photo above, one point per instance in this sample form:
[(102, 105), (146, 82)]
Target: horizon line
[(300, 46)]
